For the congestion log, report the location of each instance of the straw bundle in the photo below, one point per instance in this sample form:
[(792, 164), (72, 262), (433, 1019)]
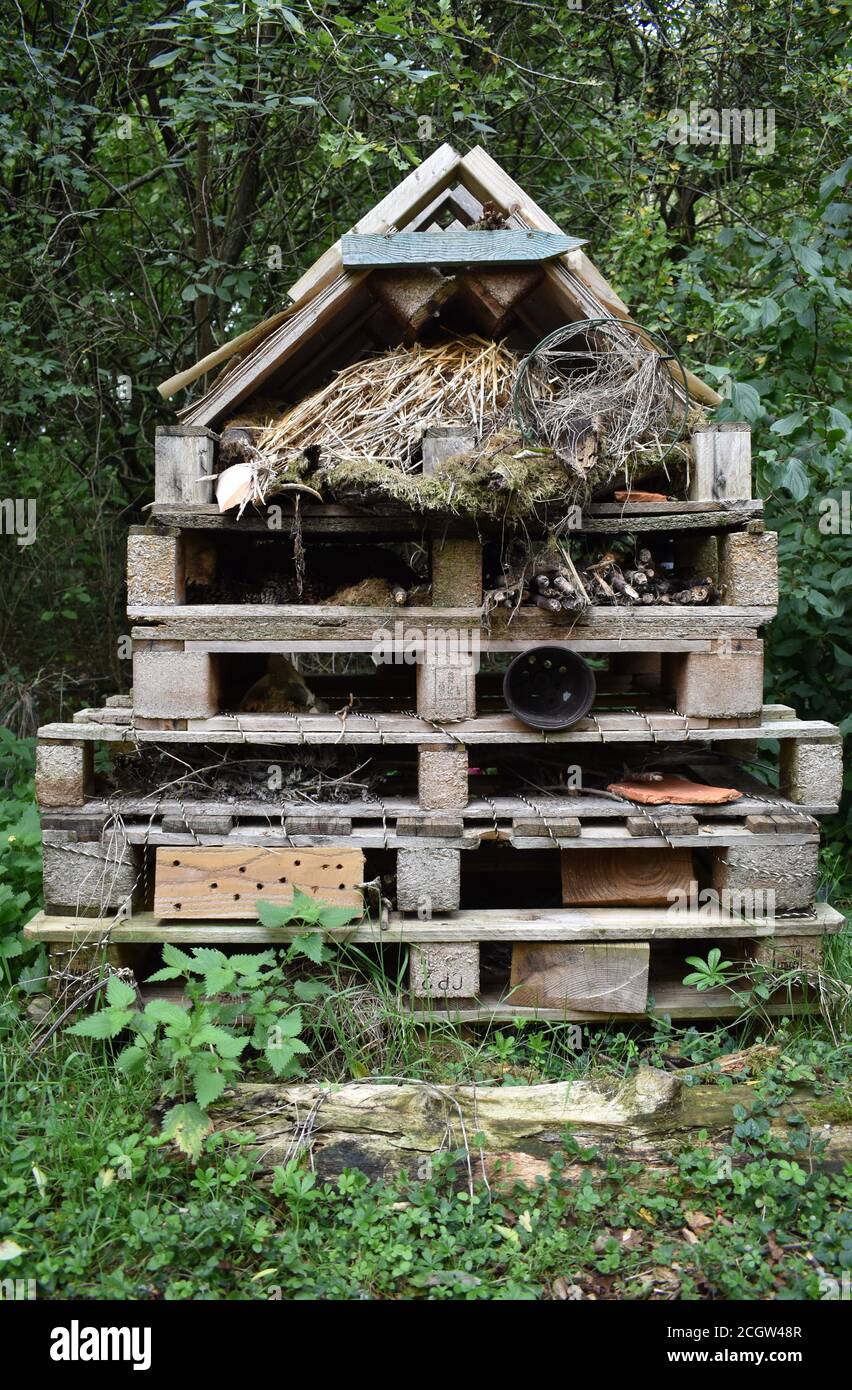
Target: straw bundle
[(378, 408)]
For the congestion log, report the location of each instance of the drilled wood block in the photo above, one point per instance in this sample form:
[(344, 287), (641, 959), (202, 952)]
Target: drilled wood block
[(442, 778), (64, 773), (450, 971), (755, 879), (625, 877), (812, 772), (721, 462), (601, 978), (446, 688), (456, 573), (428, 880), (155, 572), (748, 568), (723, 684), (174, 684), (227, 883)]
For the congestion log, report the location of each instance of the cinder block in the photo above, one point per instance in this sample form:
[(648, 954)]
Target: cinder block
[(446, 687), (722, 684), (442, 777), (789, 872), (456, 573), (64, 773), (811, 772), (789, 952), (89, 877), (428, 880), (748, 568), (444, 972), (174, 684), (155, 572)]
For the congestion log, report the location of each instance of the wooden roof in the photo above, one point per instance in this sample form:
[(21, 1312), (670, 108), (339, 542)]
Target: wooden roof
[(331, 304)]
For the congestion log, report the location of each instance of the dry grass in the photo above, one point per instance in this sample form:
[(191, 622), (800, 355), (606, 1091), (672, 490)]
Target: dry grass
[(378, 408)]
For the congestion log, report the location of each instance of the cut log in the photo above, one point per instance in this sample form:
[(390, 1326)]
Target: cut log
[(601, 978), (625, 877)]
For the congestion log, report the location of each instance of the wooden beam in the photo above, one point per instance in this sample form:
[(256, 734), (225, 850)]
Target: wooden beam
[(396, 209), (601, 978), (449, 248)]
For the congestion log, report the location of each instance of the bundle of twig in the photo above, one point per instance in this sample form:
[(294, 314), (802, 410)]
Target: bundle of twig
[(377, 408)]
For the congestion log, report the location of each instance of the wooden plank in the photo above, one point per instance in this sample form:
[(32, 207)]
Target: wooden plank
[(497, 924), (218, 622), (634, 877), (721, 459), (415, 192), (598, 978), (667, 999), (273, 351), (398, 518), (182, 459), (360, 251), (227, 883), (405, 811), (360, 729)]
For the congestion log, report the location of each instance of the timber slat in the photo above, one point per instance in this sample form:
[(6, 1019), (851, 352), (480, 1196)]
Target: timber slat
[(217, 622), (531, 924), (275, 729)]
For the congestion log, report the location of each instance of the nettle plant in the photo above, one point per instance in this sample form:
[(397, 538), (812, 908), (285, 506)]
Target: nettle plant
[(233, 1008)]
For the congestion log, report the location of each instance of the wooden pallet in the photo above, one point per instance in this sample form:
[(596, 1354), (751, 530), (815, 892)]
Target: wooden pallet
[(589, 948)]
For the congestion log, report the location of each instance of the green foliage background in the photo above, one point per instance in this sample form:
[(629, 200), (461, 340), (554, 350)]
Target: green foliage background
[(168, 171)]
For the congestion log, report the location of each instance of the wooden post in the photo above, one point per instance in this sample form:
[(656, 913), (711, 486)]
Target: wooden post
[(721, 463), (183, 454)]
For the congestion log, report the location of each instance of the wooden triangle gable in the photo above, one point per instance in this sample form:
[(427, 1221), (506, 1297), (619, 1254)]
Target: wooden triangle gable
[(446, 192)]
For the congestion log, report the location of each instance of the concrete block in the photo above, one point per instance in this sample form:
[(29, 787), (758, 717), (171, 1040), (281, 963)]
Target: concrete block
[(428, 881)]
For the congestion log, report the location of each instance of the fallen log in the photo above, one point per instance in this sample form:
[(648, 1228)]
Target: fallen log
[(505, 1132)]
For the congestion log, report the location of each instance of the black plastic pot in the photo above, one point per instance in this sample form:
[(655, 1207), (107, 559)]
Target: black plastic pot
[(549, 687)]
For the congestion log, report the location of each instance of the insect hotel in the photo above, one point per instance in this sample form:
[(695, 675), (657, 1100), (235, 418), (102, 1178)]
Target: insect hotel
[(448, 608)]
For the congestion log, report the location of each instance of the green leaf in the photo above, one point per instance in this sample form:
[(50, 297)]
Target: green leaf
[(274, 914), (290, 1026), (226, 1044), (164, 60), (336, 917), (293, 21), (838, 178), (108, 1023), (309, 944), (172, 1015), (795, 479), (209, 1085), (120, 994), (789, 423), (132, 1059), (174, 956), (187, 1126)]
